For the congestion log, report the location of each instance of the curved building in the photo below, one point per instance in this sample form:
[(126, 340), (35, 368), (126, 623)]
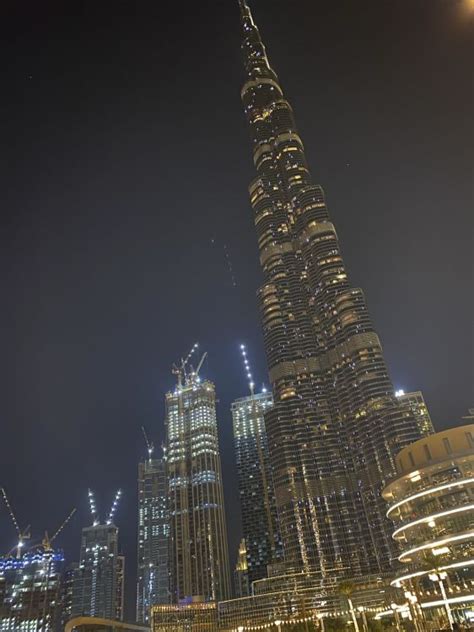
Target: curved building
[(431, 503), (336, 425)]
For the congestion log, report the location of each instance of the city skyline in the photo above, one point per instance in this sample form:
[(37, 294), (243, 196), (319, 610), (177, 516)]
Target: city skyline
[(96, 445)]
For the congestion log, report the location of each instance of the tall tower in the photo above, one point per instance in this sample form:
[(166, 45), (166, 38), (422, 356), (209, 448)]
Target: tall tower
[(98, 581), (153, 536), (257, 497), (199, 562), (336, 424)]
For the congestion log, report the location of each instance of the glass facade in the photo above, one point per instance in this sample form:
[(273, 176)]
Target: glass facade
[(336, 425), (98, 581), (153, 537), (199, 564), (257, 498)]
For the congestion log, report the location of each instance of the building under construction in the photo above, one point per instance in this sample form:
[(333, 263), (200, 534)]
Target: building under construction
[(198, 538), (31, 595)]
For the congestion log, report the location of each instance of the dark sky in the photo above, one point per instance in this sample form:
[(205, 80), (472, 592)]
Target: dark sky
[(125, 153)]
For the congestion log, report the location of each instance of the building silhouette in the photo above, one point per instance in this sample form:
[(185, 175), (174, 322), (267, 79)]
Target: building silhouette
[(336, 425), (257, 498), (153, 537), (199, 564)]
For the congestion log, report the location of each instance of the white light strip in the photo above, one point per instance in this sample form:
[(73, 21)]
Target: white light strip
[(441, 568), (442, 602), (437, 543), (462, 481), (432, 517)]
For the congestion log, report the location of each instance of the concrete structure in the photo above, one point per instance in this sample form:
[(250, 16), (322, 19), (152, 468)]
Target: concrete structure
[(153, 537), (431, 503), (336, 425), (417, 405), (199, 563), (257, 496)]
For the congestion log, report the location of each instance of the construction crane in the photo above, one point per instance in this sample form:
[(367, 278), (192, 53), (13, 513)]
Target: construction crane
[(23, 535), (149, 446), (180, 369), (201, 361), (48, 540)]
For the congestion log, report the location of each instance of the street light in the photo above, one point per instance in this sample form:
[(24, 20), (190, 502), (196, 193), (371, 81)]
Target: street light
[(278, 624), (438, 577)]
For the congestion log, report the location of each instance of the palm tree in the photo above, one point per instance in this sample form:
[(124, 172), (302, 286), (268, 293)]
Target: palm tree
[(346, 588)]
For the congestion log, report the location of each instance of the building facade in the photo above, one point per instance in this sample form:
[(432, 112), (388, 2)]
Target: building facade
[(336, 425), (98, 581), (30, 591), (153, 537), (257, 497), (431, 503), (199, 564), (192, 616), (417, 405)]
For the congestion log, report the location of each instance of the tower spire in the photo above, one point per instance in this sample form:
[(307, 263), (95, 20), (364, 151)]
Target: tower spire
[(245, 10)]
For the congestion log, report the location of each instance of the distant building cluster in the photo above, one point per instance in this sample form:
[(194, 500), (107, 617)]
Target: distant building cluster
[(353, 510)]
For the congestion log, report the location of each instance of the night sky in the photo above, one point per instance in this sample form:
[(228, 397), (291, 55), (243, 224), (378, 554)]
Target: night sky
[(125, 166)]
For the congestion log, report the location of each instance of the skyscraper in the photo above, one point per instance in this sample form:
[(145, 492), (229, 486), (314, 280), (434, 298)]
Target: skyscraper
[(98, 581), (417, 405), (336, 424), (257, 498), (199, 564), (153, 536)]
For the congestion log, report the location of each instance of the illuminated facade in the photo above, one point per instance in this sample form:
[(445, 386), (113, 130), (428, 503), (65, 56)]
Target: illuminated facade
[(431, 502), (194, 616), (30, 591), (153, 537), (416, 403), (98, 581), (257, 498), (241, 575), (199, 564), (336, 424)]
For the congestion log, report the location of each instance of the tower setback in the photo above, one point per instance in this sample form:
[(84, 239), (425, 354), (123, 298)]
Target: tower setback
[(336, 424)]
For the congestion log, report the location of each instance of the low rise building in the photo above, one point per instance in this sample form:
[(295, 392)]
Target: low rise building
[(431, 503)]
